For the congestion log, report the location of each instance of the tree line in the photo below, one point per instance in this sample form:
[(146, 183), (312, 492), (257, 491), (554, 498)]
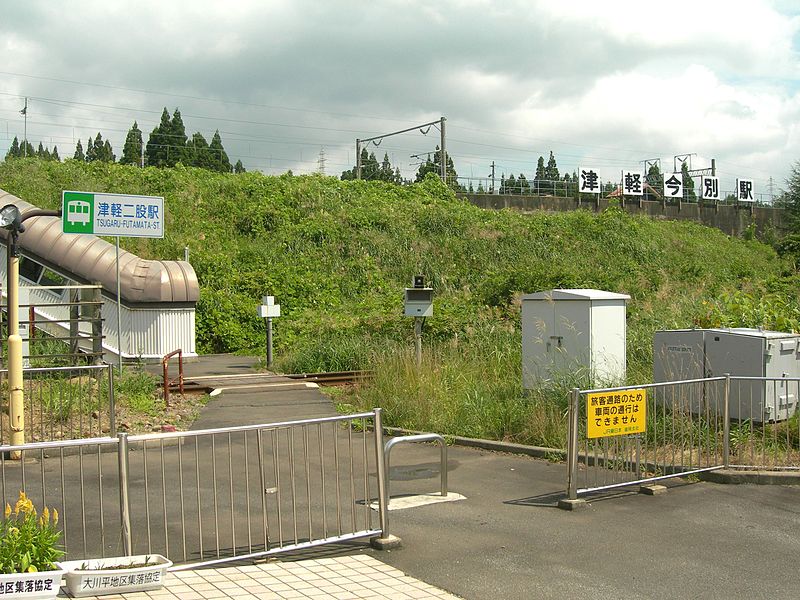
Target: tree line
[(372, 170), (167, 145)]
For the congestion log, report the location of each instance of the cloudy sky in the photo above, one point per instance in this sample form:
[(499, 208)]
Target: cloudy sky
[(602, 84)]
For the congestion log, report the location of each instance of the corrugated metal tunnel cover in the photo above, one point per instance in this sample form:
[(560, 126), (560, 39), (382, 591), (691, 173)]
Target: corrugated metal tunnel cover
[(93, 259)]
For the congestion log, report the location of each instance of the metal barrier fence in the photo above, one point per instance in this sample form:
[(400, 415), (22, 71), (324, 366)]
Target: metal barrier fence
[(690, 427), (64, 403), (206, 497)]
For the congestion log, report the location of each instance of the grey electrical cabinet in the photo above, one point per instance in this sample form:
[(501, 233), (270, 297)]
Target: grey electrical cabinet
[(568, 330), (685, 354)]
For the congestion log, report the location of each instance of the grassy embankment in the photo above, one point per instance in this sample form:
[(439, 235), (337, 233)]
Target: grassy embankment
[(337, 255)]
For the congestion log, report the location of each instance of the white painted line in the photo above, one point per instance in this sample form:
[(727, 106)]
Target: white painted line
[(239, 375), (403, 502), (267, 386)]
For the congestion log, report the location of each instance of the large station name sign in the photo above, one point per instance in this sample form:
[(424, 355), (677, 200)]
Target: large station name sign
[(112, 214), (634, 183)]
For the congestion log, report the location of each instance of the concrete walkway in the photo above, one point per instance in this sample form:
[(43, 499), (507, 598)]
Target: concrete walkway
[(346, 577)]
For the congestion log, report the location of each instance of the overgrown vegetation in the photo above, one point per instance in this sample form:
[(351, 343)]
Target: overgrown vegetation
[(336, 254)]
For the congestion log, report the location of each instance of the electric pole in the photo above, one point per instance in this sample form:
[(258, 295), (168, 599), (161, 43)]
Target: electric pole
[(444, 154), (24, 113), (358, 159), (379, 139)]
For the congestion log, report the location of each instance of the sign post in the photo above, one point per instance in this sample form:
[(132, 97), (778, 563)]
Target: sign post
[(118, 215), (269, 310)]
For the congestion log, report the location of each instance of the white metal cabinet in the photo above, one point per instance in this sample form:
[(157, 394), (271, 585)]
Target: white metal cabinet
[(566, 330)]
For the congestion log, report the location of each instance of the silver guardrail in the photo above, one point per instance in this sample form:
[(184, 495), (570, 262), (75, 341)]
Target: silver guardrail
[(210, 496), (421, 437), (692, 426)]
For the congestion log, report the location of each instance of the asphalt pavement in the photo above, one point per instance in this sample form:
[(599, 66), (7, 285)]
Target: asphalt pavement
[(508, 540)]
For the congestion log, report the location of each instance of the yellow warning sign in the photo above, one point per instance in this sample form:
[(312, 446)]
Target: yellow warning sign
[(616, 413)]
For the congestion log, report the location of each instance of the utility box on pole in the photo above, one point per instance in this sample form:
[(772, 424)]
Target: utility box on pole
[(566, 331)]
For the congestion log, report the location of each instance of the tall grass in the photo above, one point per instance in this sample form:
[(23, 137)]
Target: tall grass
[(469, 386)]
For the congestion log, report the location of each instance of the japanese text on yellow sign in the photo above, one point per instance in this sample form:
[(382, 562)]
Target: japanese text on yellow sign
[(616, 413)]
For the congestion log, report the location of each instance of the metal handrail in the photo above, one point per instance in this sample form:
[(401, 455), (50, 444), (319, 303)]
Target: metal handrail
[(169, 382), (422, 437)]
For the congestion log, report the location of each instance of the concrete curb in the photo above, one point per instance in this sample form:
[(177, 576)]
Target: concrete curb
[(740, 476)]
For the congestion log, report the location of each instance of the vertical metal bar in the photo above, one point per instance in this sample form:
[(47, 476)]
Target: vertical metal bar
[(320, 443), (230, 477), (263, 484), (726, 422), (247, 495), (352, 476), (290, 442), (263, 491), (100, 498), (572, 446), (147, 498), (83, 499), (64, 511), (307, 468), (213, 487), (183, 507), (338, 478), (124, 500), (164, 497), (199, 501), (367, 509), (112, 408), (276, 469), (380, 466)]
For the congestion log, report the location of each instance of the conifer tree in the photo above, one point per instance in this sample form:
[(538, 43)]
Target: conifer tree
[(221, 161), (108, 152), (79, 155), (54, 155), (176, 140), (91, 155), (239, 167), (551, 170), (198, 153), (540, 179), (14, 150), (386, 173), (40, 152), (132, 150), (156, 150)]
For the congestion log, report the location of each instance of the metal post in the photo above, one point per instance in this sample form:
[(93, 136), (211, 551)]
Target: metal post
[(119, 314), (269, 342), (444, 154), (16, 402), (186, 254), (572, 446), (381, 475), (74, 323), (112, 408), (124, 500), (418, 321), (726, 423), (358, 159), (94, 316)]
